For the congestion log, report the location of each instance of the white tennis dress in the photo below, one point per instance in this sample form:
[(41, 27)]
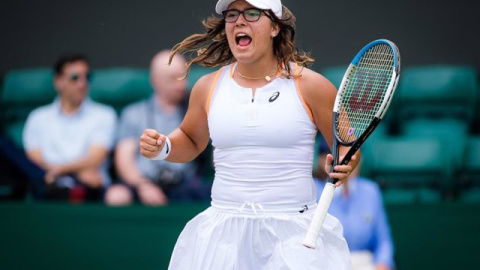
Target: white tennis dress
[(263, 195)]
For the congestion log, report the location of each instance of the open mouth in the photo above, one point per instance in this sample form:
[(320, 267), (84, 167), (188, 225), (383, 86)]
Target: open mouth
[(243, 39)]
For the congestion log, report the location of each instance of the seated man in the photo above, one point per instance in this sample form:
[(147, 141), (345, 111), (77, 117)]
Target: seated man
[(358, 206), (71, 138), (150, 182)]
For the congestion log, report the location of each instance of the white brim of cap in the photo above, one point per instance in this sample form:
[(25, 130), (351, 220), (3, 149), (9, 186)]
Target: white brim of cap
[(222, 5)]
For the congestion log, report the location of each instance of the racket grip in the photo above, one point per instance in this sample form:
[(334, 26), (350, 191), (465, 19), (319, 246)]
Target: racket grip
[(310, 239)]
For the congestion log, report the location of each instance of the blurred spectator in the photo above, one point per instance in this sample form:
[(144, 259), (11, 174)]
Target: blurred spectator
[(359, 207), (16, 171), (155, 182), (71, 138)]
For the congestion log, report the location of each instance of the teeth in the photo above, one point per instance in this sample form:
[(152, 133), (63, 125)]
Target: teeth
[(241, 35)]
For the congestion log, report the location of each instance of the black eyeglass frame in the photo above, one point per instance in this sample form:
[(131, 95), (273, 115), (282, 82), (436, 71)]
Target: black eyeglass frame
[(242, 12)]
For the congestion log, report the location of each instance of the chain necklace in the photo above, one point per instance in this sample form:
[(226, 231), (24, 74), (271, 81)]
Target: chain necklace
[(266, 78)]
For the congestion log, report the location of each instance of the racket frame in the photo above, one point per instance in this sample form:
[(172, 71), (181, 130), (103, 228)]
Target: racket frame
[(327, 193)]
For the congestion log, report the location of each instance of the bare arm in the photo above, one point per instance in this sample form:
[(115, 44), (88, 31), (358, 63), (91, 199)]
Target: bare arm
[(36, 157), (319, 94), (96, 155), (192, 137), (84, 166)]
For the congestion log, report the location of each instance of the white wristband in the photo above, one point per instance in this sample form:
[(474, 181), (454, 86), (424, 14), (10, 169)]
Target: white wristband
[(167, 148)]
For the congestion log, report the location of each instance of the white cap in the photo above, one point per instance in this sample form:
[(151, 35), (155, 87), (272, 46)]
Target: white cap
[(274, 5)]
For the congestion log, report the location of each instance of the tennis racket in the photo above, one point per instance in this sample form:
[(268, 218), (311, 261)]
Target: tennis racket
[(362, 100)]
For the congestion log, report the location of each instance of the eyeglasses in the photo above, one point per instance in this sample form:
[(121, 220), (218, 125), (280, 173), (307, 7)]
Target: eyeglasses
[(74, 77), (250, 15)]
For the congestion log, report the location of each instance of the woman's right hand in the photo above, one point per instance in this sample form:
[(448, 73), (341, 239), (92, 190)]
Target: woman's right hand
[(151, 143)]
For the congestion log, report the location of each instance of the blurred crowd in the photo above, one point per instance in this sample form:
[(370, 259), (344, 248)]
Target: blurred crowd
[(77, 149)]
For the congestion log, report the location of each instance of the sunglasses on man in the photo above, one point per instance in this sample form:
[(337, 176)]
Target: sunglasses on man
[(74, 77)]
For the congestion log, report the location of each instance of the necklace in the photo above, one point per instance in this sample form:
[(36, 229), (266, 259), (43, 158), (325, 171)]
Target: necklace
[(267, 78)]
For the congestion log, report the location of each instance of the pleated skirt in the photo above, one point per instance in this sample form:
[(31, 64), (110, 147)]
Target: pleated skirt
[(251, 236)]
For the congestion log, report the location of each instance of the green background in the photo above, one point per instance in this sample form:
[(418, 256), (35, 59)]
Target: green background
[(93, 236)]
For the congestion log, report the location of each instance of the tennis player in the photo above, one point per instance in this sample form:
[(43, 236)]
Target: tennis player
[(262, 110)]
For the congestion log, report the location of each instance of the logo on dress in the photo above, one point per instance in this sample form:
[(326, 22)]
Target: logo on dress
[(274, 97), (304, 208)]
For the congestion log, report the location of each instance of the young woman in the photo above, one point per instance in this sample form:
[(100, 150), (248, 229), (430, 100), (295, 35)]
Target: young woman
[(262, 110)]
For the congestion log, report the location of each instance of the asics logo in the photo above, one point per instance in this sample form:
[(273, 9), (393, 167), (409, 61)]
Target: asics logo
[(274, 97)]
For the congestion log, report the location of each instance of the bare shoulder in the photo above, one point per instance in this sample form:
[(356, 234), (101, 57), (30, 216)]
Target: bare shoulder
[(319, 95), (313, 84)]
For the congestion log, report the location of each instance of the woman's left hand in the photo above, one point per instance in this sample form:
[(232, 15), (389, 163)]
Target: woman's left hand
[(341, 172)]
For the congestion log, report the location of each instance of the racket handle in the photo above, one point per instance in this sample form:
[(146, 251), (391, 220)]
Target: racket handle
[(310, 239)]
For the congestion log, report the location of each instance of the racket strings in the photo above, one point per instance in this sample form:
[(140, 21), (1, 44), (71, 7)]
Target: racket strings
[(364, 92)]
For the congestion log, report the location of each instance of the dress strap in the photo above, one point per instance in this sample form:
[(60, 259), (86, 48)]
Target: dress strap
[(299, 92), (215, 85)]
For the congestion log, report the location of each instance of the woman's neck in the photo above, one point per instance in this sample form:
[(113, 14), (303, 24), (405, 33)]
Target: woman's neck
[(258, 74), (258, 69)]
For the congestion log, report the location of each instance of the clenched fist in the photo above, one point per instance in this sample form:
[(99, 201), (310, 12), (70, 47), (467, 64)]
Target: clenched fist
[(151, 143)]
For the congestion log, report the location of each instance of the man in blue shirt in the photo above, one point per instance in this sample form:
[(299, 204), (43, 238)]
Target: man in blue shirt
[(359, 207), (70, 139), (150, 182)]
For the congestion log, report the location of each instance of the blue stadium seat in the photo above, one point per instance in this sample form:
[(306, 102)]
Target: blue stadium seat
[(195, 73), (119, 87), (469, 188), (410, 169), (334, 74), (438, 91), (453, 133), (23, 91)]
